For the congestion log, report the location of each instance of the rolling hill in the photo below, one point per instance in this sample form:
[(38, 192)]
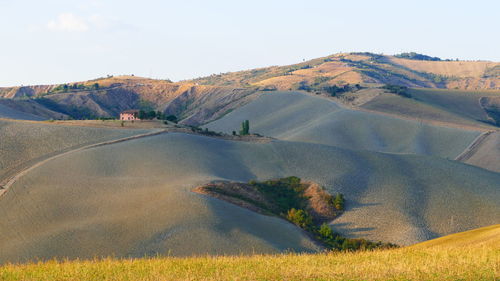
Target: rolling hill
[(347, 122), (110, 200), (300, 117), (25, 143)]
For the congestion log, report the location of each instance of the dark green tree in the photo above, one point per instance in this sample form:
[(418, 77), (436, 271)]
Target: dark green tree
[(171, 118), (300, 218), (142, 114), (338, 202), (245, 128), (151, 114)]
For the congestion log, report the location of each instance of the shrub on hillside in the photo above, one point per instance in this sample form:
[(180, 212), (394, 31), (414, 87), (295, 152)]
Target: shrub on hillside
[(398, 90), (416, 56)]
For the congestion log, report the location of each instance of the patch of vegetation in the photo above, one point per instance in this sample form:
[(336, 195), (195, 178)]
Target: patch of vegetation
[(205, 131), (65, 88), (398, 90), (286, 198), (151, 114), (335, 90), (332, 90), (171, 118), (245, 128), (416, 56)]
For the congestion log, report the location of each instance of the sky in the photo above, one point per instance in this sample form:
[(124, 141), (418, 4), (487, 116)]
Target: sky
[(58, 41)]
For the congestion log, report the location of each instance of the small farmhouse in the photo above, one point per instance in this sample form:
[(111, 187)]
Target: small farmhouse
[(129, 115)]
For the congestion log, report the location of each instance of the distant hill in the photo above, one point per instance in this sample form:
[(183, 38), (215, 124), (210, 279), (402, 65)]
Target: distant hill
[(200, 100), (368, 68), (107, 97)]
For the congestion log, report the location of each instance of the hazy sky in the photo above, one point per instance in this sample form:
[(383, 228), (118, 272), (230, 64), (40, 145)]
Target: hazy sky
[(55, 41)]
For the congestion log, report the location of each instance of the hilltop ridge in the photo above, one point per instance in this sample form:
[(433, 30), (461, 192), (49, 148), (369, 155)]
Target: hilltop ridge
[(198, 101)]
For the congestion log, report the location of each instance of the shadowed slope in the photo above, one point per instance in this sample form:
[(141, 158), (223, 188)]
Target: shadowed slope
[(134, 199), (7, 112), (300, 117)]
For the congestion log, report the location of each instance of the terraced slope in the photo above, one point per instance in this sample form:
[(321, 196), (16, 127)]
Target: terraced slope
[(299, 117), (134, 198), (25, 143)]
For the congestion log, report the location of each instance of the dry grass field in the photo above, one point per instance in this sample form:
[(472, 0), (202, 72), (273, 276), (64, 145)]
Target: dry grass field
[(414, 263)]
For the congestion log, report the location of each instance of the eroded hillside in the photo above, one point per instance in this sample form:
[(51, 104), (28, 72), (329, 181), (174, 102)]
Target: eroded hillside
[(204, 99)]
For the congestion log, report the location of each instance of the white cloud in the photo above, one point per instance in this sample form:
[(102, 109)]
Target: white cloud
[(68, 22)]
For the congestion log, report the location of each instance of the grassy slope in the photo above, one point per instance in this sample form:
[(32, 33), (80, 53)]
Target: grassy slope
[(133, 199), (463, 263), (299, 117), (488, 236)]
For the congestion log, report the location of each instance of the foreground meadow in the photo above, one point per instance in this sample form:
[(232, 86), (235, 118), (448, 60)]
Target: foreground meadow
[(467, 263)]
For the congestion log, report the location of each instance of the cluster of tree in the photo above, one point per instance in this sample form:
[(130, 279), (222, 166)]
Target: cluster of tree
[(205, 131), (336, 241), (335, 90), (336, 201), (285, 194), (245, 128), (72, 87), (151, 114), (398, 90), (332, 90), (416, 56), (289, 201)]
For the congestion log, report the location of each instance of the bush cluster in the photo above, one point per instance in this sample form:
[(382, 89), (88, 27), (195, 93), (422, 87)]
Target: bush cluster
[(398, 90), (286, 195)]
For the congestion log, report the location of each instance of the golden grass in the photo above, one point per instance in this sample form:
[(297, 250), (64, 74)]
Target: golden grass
[(468, 263), (488, 236)]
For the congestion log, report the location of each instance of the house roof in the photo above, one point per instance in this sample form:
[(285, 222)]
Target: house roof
[(130, 111)]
